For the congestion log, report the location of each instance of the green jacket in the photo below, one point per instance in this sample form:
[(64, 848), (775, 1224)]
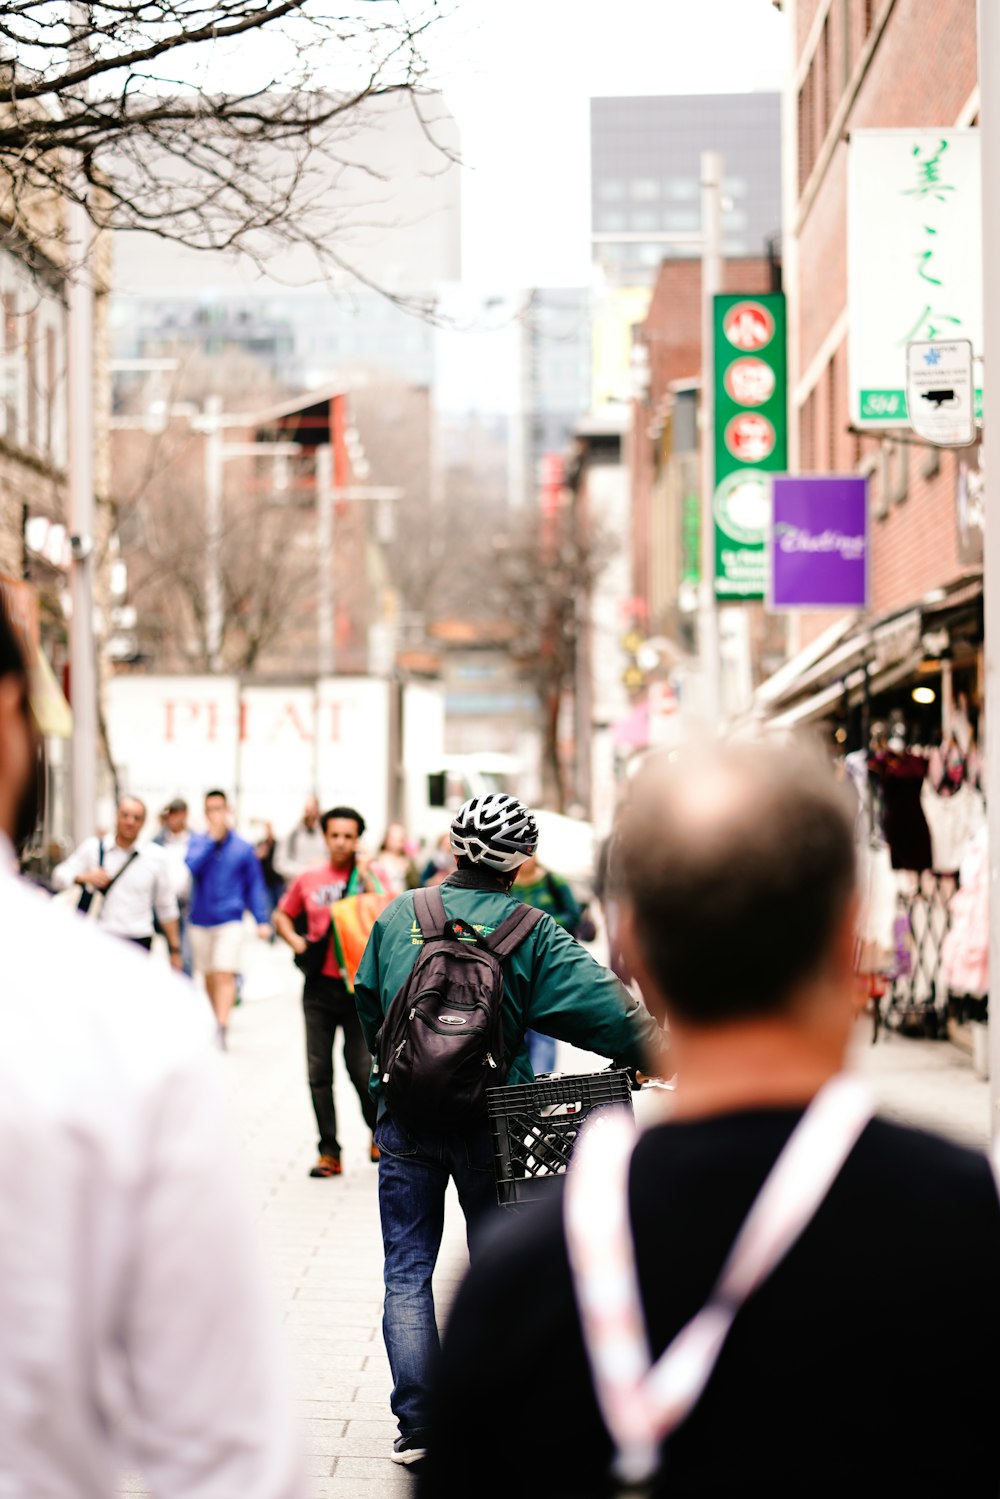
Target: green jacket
[(551, 983)]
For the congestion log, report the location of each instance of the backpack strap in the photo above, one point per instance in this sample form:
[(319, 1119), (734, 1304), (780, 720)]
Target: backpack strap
[(511, 932), (428, 907), (641, 1405)]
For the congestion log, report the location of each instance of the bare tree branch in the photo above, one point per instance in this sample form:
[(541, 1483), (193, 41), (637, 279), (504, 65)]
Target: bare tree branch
[(92, 113)]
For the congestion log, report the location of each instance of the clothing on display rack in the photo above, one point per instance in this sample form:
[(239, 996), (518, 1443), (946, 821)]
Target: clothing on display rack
[(954, 819), (900, 777), (877, 886), (965, 951)]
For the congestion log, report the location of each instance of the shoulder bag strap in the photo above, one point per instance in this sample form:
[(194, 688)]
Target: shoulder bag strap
[(115, 878), (512, 931), (428, 907), (110, 885), (641, 1415)]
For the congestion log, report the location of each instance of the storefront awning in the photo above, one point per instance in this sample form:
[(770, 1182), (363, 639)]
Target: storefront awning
[(52, 712), (831, 670)]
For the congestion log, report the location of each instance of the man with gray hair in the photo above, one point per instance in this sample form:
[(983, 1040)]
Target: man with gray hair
[(746, 1297), (132, 878)]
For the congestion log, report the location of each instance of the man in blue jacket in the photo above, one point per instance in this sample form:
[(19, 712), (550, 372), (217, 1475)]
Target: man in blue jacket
[(227, 882)]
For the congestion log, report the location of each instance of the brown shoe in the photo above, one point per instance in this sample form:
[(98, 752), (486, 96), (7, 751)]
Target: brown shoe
[(376, 1153), (327, 1165)]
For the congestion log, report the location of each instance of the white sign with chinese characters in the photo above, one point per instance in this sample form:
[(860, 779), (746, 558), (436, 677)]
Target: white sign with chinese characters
[(939, 392), (914, 258)]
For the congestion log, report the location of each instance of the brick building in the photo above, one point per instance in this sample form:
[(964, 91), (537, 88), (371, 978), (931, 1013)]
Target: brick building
[(663, 449), (864, 64)]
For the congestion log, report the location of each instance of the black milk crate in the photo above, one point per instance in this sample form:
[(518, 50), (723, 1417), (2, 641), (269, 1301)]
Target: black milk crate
[(535, 1127)]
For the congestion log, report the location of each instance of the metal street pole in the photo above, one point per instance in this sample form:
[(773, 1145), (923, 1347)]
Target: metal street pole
[(213, 533), (989, 130), (324, 558), (82, 649), (80, 420), (711, 283)]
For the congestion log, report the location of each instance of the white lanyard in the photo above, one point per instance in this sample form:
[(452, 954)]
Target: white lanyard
[(641, 1402)]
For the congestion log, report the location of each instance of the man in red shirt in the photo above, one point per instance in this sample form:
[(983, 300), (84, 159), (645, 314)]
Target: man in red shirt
[(326, 1000)]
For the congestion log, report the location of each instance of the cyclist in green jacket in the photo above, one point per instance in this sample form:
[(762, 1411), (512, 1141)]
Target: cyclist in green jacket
[(552, 985)]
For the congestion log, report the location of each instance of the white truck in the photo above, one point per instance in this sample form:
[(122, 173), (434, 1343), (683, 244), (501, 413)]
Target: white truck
[(361, 741)]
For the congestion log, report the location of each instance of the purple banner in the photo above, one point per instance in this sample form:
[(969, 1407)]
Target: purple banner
[(818, 542)]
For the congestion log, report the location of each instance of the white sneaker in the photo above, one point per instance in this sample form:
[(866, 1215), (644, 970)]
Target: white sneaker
[(408, 1450)]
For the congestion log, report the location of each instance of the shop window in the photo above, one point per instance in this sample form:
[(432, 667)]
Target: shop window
[(10, 373), (31, 350), (807, 143), (827, 77), (808, 433), (901, 476), (930, 464), (894, 476), (50, 392), (644, 189), (831, 415), (869, 465)]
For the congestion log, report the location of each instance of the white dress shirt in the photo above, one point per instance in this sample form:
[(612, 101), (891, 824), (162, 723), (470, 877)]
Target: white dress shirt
[(145, 887), (137, 1328)]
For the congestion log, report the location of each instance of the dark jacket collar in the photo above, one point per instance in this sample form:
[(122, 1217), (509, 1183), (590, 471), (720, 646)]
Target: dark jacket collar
[(476, 879)]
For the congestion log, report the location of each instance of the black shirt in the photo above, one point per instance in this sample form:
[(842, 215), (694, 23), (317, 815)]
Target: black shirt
[(866, 1365)]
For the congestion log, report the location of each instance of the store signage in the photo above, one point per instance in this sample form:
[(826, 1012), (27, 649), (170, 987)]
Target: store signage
[(750, 382), (940, 394), (818, 542), (751, 435), (914, 258)]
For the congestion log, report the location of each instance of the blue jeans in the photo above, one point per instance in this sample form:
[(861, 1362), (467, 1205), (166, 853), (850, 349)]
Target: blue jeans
[(413, 1175), (541, 1052)]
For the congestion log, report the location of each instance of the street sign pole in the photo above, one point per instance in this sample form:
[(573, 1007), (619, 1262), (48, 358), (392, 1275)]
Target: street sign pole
[(81, 504), (989, 128), (711, 284)]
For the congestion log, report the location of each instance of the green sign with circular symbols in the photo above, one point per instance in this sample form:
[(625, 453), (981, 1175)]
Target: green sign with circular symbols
[(751, 435)]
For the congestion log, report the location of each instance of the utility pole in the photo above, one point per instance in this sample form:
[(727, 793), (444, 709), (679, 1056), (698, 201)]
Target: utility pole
[(989, 130), (711, 284), (213, 532), (80, 401), (325, 558)]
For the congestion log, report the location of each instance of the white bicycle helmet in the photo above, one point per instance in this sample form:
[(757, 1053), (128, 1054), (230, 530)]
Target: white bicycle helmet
[(495, 830)]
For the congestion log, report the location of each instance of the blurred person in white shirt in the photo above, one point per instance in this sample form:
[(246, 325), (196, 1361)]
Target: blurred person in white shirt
[(304, 847), (134, 879), (174, 837), (137, 1327)]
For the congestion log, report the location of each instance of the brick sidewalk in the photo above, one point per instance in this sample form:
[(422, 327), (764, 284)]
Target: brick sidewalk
[(323, 1237), (324, 1242)]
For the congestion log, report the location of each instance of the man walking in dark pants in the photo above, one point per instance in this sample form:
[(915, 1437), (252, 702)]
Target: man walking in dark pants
[(326, 1000)]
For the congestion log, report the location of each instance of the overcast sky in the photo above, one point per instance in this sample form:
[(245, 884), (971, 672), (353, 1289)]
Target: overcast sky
[(518, 75)]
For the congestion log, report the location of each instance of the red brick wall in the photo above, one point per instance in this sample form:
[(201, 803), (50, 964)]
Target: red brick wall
[(672, 334), (921, 73)]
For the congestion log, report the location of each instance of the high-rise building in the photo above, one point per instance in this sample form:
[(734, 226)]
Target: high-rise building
[(645, 170), (555, 374)]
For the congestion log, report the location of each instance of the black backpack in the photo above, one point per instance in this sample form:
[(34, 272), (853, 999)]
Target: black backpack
[(441, 1043)]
